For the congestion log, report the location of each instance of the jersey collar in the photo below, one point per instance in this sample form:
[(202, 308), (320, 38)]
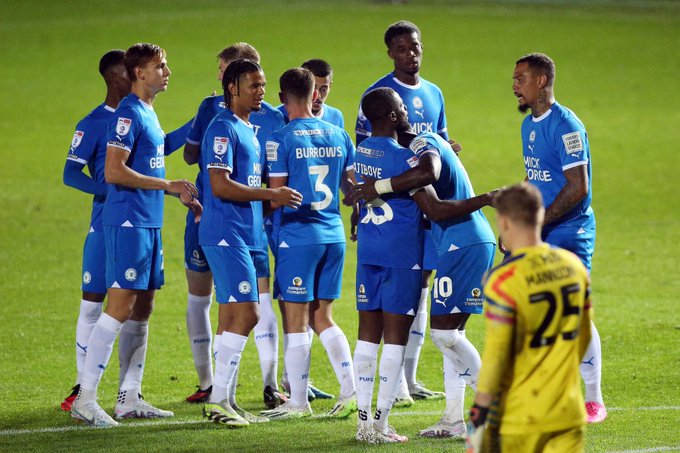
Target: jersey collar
[(545, 115), (410, 87)]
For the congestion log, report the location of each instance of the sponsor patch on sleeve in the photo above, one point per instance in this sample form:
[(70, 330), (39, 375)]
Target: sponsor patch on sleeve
[(220, 145), (418, 144), (77, 138), (413, 161), (572, 142), (272, 151), (123, 126)]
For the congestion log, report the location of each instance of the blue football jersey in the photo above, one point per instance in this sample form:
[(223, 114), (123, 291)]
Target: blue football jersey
[(390, 231), (424, 102), (88, 147), (453, 184), (264, 122), (552, 143), (135, 128), (313, 155), (328, 114), (230, 143)]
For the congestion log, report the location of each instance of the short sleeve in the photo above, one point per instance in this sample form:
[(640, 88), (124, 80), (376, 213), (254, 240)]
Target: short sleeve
[(350, 158), (219, 143), (124, 129), (363, 126), (277, 162), (83, 143), (572, 144), (441, 122), (196, 131), (499, 300), (422, 146)]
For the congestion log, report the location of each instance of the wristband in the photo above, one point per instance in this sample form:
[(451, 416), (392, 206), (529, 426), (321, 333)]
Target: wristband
[(383, 186)]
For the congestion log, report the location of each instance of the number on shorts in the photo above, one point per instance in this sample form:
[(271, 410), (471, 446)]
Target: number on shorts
[(443, 286)]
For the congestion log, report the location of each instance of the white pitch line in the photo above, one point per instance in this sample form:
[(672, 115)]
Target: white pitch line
[(147, 423), (649, 450)]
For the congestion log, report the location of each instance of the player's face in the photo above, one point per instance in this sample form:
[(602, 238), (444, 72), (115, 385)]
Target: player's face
[(402, 116), (122, 83), (155, 74), (526, 86), (251, 91), (406, 51), (322, 85)]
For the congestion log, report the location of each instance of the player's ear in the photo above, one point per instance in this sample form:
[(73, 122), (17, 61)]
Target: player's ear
[(542, 81), (232, 89), (282, 97)]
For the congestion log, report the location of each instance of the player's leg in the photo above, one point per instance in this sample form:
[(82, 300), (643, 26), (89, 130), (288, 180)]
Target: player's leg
[(133, 342), (327, 288), (266, 332), (236, 293), (93, 294)]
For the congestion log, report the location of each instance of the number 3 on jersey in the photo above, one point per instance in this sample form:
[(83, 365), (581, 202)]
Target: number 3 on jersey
[(321, 171)]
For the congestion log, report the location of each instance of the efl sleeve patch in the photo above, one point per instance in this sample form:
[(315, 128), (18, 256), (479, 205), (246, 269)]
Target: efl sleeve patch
[(220, 145), (573, 143), (272, 151), (77, 138), (123, 126), (413, 161)]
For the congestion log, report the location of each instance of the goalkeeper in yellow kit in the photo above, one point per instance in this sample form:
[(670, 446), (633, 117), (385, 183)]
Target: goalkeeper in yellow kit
[(537, 330)]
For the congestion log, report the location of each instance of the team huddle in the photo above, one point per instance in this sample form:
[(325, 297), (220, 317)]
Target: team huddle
[(273, 180)]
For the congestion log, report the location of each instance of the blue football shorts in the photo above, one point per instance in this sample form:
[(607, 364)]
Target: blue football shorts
[(579, 240), (234, 273), (308, 272), (94, 263), (194, 258), (429, 252), (134, 258), (388, 289), (457, 287)]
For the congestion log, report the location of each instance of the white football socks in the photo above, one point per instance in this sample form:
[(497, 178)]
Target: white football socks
[(87, 317), (591, 367), (391, 363), (200, 337), (454, 387), (416, 339), (365, 360), (99, 351), (266, 333), (132, 346), (226, 364), (454, 345), (297, 357), (340, 356)]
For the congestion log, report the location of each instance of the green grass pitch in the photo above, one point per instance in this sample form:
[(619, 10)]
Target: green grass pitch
[(617, 68)]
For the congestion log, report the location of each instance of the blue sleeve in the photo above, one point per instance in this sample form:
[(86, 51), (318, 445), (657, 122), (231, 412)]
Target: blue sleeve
[(76, 178), (218, 147), (441, 123), (351, 152), (124, 129), (571, 142), (177, 138), (277, 163), (362, 128), (421, 146), (195, 132)]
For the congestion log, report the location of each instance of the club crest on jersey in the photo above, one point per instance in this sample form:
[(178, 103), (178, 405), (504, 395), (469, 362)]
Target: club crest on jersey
[(77, 138), (123, 126), (532, 136), (220, 145), (131, 274), (244, 287), (417, 103), (87, 278)]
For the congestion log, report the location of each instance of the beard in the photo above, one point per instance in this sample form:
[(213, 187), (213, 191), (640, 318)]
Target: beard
[(523, 108)]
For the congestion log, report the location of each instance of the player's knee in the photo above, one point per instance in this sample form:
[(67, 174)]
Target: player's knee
[(443, 339)]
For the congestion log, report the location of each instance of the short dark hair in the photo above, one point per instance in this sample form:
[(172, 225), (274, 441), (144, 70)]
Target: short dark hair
[(403, 27), (234, 72), (540, 63), (239, 50), (319, 67), (297, 82), (139, 55), (378, 103), (522, 203), (110, 59)]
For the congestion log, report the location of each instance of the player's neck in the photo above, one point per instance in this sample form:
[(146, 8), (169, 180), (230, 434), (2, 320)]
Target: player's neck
[(112, 99), (524, 238), (299, 110), (241, 112), (389, 132), (545, 100), (406, 78), (143, 93)]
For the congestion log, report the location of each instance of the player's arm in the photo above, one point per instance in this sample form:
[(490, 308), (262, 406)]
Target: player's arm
[(424, 174), (438, 210), (277, 194), (575, 190), (175, 139), (75, 177), (192, 151)]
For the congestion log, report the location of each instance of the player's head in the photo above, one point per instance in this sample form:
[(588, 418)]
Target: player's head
[(384, 109), (404, 47), (112, 69), (323, 80), (297, 86), (234, 52), (533, 77), (519, 213), (243, 85), (146, 63)]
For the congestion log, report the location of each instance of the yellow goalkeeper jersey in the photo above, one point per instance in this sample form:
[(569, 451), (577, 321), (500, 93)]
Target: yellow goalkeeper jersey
[(537, 308)]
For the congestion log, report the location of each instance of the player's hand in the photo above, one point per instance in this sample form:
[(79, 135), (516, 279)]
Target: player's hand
[(492, 196), (353, 222), (364, 192), (179, 186), (285, 196), (347, 198), (475, 428), (455, 146), (193, 204)]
